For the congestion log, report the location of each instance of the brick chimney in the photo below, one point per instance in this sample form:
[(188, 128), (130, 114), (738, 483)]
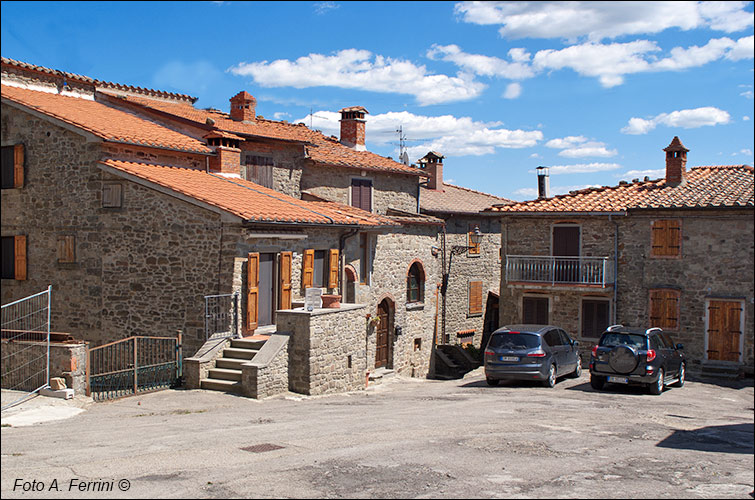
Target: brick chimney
[(243, 107), (353, 127), (432, 162), (676, 162), (227, 159)]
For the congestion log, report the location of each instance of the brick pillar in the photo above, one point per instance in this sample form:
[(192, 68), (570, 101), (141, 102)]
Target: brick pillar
[(226, 160)]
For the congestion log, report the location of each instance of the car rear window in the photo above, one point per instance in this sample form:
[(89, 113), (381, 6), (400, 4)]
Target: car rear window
[(514, 341), (616, 338)]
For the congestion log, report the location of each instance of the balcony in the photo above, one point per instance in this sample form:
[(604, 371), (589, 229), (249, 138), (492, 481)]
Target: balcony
[(558, 270)]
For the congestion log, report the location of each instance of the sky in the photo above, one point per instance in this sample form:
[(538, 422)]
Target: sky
[(592, 90)]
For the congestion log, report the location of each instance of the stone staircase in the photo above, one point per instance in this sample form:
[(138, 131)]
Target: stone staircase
[(452, 362), (226, 376), (719, 371)]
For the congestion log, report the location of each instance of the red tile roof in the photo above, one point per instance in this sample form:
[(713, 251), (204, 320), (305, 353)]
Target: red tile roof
[(106, 122), (704, 187), (247, 200), (321, 149), (455, 199)]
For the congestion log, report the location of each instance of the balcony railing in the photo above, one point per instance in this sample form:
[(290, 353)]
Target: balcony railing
[(553, 270)]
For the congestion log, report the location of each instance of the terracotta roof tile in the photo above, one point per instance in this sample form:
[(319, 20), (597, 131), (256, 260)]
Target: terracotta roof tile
[(454, 199), (704, 187), (321, 149), (108, 123), (248, 200)]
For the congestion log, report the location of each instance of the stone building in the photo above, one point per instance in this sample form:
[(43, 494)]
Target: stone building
[(469, 300), (135, 205), (675, 253)]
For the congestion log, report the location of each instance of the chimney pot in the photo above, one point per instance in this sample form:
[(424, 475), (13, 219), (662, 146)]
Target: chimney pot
[(433, 163), (543, 183), (353, 127), (243, 107), (676, 162)]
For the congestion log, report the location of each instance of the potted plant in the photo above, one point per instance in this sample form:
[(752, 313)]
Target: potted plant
[(331, 301)]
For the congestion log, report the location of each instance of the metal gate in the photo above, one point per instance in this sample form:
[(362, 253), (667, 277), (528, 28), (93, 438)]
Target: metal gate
[(26, 345), (134, 365), (221, 316)]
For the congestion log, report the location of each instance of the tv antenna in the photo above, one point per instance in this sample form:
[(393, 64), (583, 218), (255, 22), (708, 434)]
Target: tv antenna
[(311, 115), (402, 140)]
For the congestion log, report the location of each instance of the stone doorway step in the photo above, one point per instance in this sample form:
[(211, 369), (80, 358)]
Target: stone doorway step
[(226, 376)]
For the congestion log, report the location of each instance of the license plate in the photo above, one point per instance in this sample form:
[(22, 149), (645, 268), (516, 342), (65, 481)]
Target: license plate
[(509, 358), (618, 380)]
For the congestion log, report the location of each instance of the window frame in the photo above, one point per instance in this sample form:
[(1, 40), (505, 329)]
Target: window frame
[(419, 275)]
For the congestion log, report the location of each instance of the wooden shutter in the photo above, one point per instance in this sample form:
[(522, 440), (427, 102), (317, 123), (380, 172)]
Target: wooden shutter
[(361, 194), (285, 280), (20, 257), (252, 291), (666, 238), (308, 268), (664, 309), (673, 237), (475, 297), (333, 269), (66, 247), (18, 166)]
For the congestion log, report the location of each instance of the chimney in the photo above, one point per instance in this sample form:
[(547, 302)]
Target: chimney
[(676, 162), (353, 127), (227, 159), (433, 163), (543, 183), (243, 107)]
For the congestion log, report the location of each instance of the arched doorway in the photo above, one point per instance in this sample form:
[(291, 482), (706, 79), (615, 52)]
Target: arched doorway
[(382, 334), (351, 285)]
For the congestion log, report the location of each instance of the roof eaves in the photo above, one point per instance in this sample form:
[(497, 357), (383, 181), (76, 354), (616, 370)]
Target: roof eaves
[(90, 135)]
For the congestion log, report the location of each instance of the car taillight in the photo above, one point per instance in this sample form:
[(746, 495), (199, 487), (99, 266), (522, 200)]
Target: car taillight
[(489, 353), (595, 351), (536, 354), (651, 355)]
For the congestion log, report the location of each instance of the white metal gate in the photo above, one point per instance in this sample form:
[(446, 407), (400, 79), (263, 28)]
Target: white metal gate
[(26, 345), (221, 316)]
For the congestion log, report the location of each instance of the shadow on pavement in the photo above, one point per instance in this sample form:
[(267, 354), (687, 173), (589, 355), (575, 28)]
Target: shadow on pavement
[(734, 438)]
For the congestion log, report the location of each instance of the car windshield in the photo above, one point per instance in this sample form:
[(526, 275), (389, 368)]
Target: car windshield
[(616, 338), (511, 340)]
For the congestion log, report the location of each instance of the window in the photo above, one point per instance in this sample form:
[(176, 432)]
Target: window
[(320, 268), (664, 308), (258, 169), (553, 339), (415, 283), (66, 249), (475, 298), (14, 257), (473, 249), (666, 238), (361, 194), (13, 166), (318, 277), (364, 259), (112, 195), (594, 317), (535, 310)]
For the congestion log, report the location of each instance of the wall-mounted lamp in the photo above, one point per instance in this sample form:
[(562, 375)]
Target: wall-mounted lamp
[(475, 238)]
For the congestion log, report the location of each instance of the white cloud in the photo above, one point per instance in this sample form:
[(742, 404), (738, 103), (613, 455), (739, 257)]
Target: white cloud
[(746, 152), (447, 134), (747, 94), (323, 7), (513, 90), (641, 174), (485, 65), (580, 168), (598, 20), (280, 115), (685, 118), (360, 69), (745, 118), (531, 193), (579, 146)]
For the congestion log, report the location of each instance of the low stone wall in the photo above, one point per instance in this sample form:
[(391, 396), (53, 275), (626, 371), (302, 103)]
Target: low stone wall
[(267, 374), (196, 367), (327, 351), (67, 360)]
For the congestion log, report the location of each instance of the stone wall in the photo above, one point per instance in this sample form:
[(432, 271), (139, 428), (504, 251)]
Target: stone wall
[(24, 359), (287, 159)]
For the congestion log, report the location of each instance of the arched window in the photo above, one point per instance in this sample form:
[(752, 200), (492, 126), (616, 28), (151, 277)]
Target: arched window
[(415, 283)]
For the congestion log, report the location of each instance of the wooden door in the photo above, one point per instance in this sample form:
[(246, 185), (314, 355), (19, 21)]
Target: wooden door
[(724, 330), (566, 244), (266, 286), (382, 336)]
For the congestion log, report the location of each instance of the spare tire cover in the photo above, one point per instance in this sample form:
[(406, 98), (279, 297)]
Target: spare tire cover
[(623, 359)]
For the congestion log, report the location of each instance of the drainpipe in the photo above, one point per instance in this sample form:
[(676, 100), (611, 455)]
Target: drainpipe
[(444, 285)]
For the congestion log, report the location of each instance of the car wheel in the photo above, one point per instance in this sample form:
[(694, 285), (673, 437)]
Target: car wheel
[(657, 387), (597, 383), (578, 370), (492, 382), (551, 380), (682, 376)]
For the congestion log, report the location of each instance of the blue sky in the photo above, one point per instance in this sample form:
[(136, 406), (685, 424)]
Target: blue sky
[(593, 90)]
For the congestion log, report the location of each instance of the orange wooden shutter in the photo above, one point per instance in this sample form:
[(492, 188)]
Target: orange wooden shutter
[(66, 245), (664, 309), (673, 237), (656, 308), (659, 238), (308, 268), (475, 297), (285, 279), (18, 165), (333, 270), (252, 291), (20, 257), (672, 310)]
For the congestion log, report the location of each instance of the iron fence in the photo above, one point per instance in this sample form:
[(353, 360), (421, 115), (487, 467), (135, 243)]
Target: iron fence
[(221, 316), (563, 270), (134, 365), (26, 345)]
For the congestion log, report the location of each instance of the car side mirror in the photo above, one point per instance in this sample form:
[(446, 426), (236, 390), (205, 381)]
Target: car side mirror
[(679, 347), (575, 343)]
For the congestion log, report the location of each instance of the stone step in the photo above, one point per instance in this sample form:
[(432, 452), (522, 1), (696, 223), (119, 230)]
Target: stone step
[(247, 343), (220, 385), (238, 353), (225, 374), (230, 363), (381, 373)]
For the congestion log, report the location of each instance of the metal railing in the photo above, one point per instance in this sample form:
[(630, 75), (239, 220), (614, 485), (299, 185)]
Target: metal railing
[(134, 365), (562, 270), (26, 346), (221, 316)]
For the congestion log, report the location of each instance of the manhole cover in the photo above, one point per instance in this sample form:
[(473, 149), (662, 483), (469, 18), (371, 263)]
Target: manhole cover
[(260, 448)]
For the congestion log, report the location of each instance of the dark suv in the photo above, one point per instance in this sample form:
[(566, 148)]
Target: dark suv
[(627, 355)]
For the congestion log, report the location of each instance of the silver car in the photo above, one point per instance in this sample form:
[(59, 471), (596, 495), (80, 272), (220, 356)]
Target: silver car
[(531, 352)]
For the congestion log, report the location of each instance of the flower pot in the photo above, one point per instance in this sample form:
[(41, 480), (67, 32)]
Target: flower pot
[(331, 301)]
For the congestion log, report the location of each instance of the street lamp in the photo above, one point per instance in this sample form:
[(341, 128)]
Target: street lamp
[(475, 238)]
